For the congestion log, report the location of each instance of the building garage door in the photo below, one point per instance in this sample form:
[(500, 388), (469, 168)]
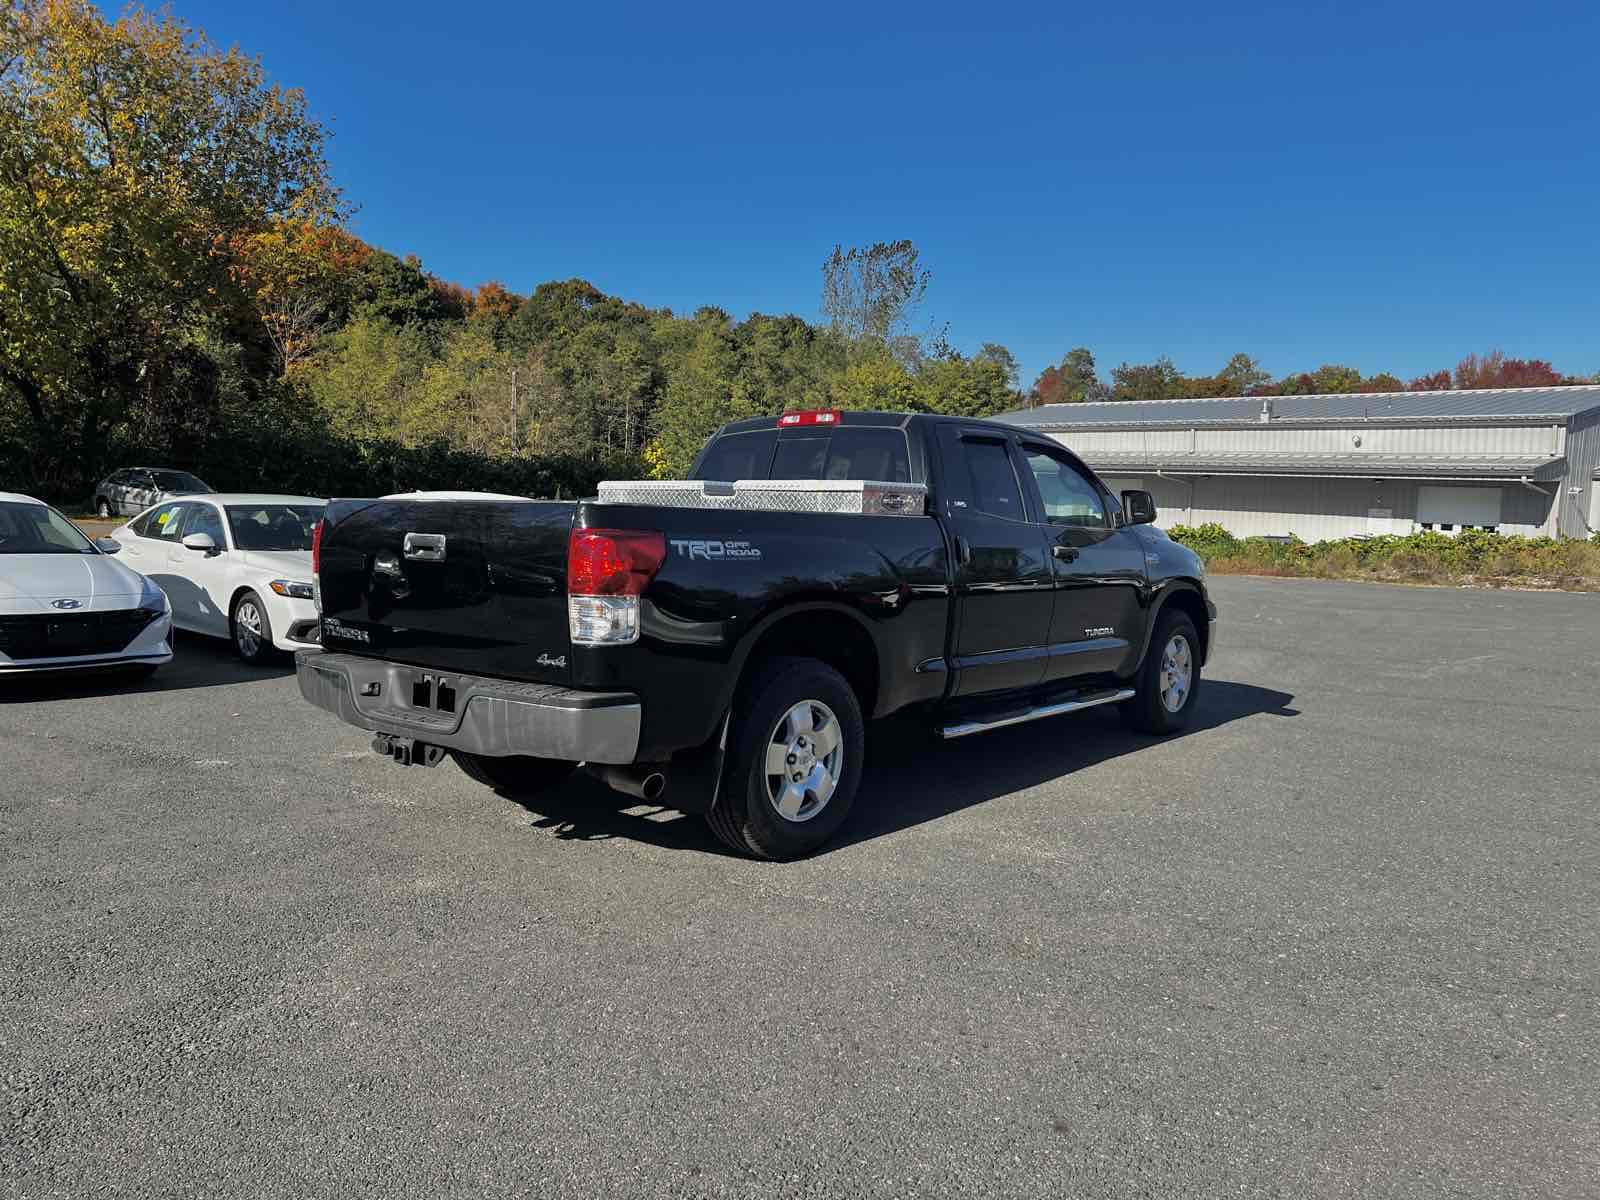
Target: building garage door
[(1451, 509)]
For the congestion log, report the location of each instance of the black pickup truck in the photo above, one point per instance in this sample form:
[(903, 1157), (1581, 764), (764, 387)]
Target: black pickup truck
[(718, 644)]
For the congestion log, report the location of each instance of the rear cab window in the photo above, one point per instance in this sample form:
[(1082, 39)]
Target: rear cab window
[(746, 455), (847, 452)]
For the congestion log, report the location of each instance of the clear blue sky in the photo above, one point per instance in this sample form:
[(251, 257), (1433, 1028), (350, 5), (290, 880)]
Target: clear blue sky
[(1386, 185)]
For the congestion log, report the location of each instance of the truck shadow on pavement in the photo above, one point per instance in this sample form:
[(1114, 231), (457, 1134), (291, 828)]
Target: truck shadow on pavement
[(912, 777), (197, 662)]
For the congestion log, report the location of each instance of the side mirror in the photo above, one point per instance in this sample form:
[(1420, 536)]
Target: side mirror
[(108, 545), (200, 541), (1138, 508)]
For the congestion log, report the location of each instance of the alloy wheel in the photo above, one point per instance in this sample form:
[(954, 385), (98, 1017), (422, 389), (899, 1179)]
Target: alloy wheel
[(805, 754)]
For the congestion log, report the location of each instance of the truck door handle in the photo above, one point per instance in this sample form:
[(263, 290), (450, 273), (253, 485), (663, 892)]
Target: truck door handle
[(963, 550), (1065, 553)]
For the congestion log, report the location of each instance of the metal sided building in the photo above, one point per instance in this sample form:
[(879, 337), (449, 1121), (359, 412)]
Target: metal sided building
[(1520, 460)]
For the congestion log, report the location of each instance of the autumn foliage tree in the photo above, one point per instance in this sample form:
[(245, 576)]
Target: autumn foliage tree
[(133, 157), (301, 276)]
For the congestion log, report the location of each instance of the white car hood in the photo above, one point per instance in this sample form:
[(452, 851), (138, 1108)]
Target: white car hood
[(33, 582), (279, 564)]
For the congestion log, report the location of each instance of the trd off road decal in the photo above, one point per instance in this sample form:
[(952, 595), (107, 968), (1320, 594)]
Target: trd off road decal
[(715, 550)]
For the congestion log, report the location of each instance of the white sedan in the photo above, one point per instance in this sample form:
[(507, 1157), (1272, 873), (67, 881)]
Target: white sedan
[(234, 566), (66, 604)]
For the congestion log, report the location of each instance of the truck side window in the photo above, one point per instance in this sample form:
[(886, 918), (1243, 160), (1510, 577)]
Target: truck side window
[(1069, 497), (994, 483)]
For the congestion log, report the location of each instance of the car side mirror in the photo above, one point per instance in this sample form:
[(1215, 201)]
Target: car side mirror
[(200, 541), (1138, 508), (108, 545)]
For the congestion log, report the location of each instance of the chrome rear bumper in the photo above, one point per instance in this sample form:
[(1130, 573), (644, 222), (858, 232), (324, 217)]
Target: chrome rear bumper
[(493, 717)]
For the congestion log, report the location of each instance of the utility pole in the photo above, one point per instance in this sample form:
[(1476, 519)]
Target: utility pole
[(514, 371)]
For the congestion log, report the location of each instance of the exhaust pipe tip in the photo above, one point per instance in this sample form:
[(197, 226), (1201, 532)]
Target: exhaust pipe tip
[(644, 782)]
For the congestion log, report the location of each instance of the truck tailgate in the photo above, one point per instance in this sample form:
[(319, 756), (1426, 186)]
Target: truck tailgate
[(472, 586)]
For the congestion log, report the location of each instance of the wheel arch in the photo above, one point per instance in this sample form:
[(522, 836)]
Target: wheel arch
[(238, 594), (1186, 596), (831, 633)]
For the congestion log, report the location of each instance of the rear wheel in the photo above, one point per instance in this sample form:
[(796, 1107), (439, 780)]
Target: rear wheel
[(102, 508), (515, 776), (794, 760), (1169, 677), (252, 631)]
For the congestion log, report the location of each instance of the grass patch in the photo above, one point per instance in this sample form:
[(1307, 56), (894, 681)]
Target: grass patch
[(1470, 557)]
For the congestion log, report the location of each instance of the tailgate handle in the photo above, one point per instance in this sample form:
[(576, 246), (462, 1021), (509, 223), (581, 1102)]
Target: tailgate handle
[(425, 547)]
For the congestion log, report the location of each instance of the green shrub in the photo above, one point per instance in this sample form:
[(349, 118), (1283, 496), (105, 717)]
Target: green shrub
[(1422, 556)]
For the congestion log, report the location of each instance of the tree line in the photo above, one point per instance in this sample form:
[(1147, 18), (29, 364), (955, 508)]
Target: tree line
[(1074, 379), (178, 282)]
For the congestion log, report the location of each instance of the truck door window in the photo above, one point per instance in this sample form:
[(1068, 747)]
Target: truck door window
[(1069, 497), (993, 482)]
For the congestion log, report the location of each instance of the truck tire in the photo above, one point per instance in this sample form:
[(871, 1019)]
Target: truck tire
[(515, 775), (1168, 679), (796, 747)]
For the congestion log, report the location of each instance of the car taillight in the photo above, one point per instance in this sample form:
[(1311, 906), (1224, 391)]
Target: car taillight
[(607, 569), (825, 416), (316, 564)]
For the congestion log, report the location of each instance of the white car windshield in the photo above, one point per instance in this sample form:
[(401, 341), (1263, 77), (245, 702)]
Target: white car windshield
[(38, 529), (273, 526)]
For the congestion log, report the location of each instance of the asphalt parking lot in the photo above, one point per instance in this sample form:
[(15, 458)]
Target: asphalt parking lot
[(1341, 939)]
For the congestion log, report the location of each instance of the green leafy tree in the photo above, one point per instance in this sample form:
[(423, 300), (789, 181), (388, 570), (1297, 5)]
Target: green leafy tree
[(962, 387), (871, 294), (1069, 383), (1242, 375), (1160, 380), (699, 393), (993, 352), (367, 380)]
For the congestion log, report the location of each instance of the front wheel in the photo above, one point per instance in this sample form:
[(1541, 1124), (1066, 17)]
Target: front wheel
[(514, 775), (1169, 677), (102, 508), (794, 759), (252, 631)]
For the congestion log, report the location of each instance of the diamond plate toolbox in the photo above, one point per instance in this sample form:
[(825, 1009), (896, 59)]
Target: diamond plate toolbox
[(847, 497)]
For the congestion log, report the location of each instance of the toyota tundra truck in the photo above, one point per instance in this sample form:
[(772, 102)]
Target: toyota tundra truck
[(719, 644)]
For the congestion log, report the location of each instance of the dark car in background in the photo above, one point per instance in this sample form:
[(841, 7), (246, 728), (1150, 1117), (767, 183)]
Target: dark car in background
[(134, 489)]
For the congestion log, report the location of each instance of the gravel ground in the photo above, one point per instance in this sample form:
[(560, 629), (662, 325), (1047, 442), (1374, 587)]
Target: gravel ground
[(1341, 939)]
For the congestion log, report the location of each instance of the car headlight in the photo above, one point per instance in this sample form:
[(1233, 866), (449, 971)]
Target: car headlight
[(293, 588), (153, 599)]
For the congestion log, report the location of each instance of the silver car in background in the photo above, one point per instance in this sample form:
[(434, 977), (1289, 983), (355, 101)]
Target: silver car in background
[(134, 489)]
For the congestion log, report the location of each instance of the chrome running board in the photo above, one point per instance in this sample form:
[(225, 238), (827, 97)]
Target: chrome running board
[(1034, 714)]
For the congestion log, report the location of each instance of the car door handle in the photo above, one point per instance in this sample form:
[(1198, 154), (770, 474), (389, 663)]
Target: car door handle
[(1065, 553)]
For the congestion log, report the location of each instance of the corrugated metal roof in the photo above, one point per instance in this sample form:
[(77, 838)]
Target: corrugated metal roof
[(1486, 404), (1367, 466)]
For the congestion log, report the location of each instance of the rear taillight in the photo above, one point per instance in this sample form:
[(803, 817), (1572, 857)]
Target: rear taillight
[(607, 570), (823, 416), (316, 564)]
